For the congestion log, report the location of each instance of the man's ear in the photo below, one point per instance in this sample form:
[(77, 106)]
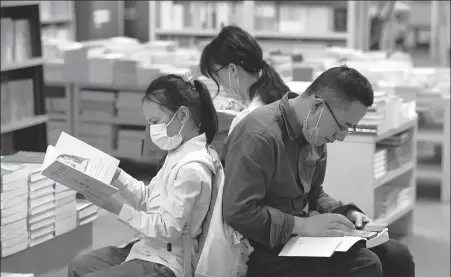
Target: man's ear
[(317, 103), (183, 114)]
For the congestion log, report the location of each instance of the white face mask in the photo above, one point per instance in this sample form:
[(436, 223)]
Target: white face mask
[(159, 136)]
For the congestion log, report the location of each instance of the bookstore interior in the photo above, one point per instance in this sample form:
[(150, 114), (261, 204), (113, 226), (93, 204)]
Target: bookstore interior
[(79, 70)]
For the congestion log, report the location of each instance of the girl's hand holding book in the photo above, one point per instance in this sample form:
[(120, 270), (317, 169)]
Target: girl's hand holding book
[(113, 204)]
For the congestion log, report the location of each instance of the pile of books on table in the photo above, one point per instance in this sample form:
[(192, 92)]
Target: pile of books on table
[(65, 209), (14, 202), (86, 212), (41, 210)]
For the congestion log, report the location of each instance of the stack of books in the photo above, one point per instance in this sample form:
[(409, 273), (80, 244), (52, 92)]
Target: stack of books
[(98, 135), (65, 209), (380, 163), (128, 105), (97, 105), (14, 202), (41, 211), (130, 142), (86, 212)]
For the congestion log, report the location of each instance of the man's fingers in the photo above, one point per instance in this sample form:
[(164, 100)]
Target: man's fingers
[(338, 218), (340, 227), (334, 233), (359, 221)]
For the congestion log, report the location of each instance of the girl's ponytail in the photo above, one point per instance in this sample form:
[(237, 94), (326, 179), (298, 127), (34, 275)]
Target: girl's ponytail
[(270, 86), (208, 116)]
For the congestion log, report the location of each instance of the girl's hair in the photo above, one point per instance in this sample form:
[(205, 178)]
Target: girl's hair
[(172, 92), (234, 45)]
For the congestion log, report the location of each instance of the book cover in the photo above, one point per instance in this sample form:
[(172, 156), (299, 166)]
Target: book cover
[(81, 167)]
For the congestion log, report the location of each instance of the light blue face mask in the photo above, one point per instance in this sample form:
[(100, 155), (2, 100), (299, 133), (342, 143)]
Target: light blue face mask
[(159, 136)]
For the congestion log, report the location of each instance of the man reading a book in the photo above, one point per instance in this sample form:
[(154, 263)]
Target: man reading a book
[(275, 162)]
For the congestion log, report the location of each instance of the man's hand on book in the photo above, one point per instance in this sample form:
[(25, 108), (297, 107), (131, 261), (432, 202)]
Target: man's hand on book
[(113, 204), (358, 218), (323, 225)]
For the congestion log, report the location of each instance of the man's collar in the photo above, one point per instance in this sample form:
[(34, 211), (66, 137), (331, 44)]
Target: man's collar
[(294, 128)]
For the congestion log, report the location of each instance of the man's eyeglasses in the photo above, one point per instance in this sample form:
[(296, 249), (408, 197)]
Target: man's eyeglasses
[(343, 129)]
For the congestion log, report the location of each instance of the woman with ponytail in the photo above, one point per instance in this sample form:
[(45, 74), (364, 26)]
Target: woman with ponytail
[(234, 60), (182, 121)]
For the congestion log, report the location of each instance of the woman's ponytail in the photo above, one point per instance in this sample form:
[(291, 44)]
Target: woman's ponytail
[(270, 86), (208, 116)]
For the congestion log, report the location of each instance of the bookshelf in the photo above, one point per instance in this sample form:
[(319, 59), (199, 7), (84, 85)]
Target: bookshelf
[(23, 107), (120, 126), (274, 23), (433, 167), (360, 183), (58, 97)]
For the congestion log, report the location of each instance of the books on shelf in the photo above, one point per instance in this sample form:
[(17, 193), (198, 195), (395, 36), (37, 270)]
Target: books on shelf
[(130, 142), (97, 104), (128, 104), (81, 167), (380, 163), (16, 40), (17, 98), (391, 198)]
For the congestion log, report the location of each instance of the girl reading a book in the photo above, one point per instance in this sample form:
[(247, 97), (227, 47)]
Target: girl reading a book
[(234, 60), (183, 122)]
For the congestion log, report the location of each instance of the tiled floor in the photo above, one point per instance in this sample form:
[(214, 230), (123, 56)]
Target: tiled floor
[(430, 244)]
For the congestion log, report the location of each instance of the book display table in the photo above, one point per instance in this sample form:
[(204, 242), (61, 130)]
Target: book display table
[(50, 258)]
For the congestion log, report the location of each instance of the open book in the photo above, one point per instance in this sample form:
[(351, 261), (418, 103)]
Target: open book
[(327, 246), (81, 167)]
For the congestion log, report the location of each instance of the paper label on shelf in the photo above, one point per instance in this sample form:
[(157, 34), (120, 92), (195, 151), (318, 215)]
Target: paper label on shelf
[(100, 17)]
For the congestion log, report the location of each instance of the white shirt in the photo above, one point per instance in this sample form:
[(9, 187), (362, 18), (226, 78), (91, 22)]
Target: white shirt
[(161, 210)]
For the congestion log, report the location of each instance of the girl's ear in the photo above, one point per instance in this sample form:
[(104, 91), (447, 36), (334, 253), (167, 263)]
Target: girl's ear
[(233, 69), (183, 114)]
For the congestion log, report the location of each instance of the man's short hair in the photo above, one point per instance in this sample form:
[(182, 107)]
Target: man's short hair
[(342, 83)]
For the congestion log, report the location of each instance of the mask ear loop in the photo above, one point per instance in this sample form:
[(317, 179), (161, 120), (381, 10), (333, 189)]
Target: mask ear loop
[(230, 83), (319, 117)]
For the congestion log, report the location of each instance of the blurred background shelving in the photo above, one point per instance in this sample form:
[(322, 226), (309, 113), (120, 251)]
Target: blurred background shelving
[(23, 113)]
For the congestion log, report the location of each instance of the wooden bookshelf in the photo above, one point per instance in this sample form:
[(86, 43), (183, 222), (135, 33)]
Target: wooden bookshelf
[(354, 181), (24, 117)]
